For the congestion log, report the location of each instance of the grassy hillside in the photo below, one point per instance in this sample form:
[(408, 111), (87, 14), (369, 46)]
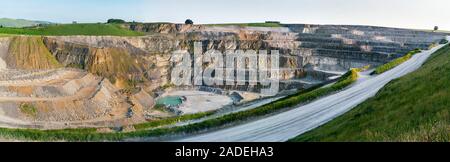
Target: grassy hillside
[(73, 29), (413, 108), (30, 53), (19, 23)]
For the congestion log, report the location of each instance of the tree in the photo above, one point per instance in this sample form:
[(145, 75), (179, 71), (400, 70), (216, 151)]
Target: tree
[(436, 28), (189, 22), (116, 21), (1, 26)]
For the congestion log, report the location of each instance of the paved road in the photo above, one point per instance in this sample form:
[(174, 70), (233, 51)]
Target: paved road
[(286, 125)]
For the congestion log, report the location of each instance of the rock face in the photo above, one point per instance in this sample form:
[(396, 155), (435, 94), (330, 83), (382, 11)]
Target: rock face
[(30, 53), (308, 52), (4, 46)]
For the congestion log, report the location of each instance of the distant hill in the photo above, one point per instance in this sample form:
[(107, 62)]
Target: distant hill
[(19, 23)]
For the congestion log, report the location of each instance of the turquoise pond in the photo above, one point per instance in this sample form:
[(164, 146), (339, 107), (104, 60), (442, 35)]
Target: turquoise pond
[(170, 101)]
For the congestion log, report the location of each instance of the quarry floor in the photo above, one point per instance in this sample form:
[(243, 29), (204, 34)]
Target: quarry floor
[(199, 101), (289, 124)]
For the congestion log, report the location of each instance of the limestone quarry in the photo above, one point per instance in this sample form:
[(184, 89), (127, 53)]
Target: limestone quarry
[(54, 82)]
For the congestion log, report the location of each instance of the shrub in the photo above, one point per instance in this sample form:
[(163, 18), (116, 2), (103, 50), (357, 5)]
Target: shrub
[(116, 21), (432, 45), (189, 22), (28, 109), (168, 85), (396, 62)]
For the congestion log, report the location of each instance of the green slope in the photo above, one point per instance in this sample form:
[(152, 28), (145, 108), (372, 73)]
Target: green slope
[(412, 108), (73, 29), (30, 53), (19, 23)]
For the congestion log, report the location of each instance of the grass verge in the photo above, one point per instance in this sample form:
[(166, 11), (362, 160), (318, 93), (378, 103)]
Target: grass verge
[(412, 108), (172, 120), (396, 62), (91, 134)]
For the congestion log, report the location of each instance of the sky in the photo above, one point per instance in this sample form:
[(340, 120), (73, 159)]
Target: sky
[(418, 14)]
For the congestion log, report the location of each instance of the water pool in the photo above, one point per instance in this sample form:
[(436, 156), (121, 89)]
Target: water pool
[(170, 101)]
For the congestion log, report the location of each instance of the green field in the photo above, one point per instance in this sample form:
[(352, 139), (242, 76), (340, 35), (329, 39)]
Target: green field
[(72, 29), (249, 24), (412, 108)]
